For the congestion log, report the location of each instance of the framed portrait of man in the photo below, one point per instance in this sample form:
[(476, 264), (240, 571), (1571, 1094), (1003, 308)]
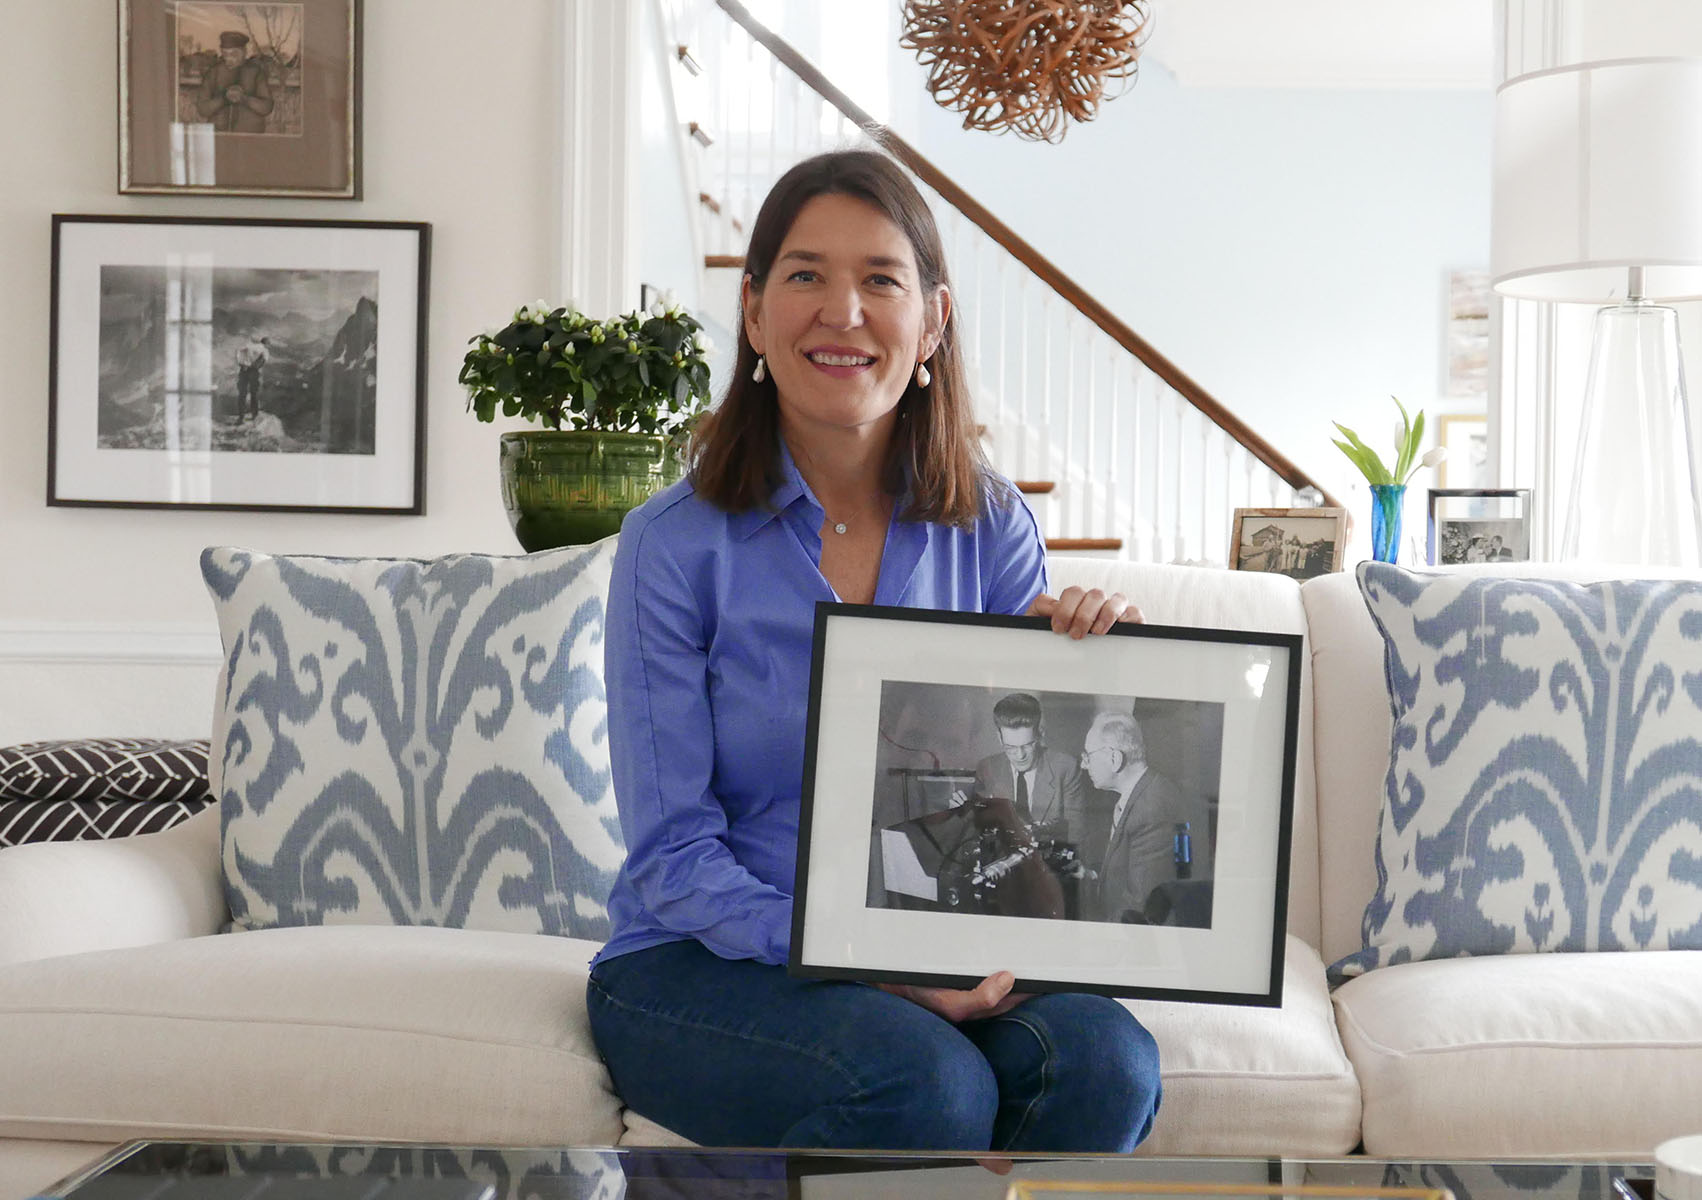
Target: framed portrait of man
[(1109, 815), (239, 99)]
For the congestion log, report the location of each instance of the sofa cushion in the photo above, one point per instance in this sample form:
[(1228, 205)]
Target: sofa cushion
[(1237, 1080), (1544, 788), (415, 743), (1241, 1080), (28, 1167), (407, 1034), (1535, 1054)]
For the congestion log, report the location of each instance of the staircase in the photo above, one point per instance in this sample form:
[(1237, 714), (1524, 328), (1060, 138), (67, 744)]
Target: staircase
[(1116, 450)]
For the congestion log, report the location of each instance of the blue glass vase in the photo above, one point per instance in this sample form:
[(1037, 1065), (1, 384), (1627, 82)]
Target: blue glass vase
[(1386, 502)]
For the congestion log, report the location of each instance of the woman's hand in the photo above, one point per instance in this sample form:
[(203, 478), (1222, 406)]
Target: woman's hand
[(990, 998), (1079, 613)]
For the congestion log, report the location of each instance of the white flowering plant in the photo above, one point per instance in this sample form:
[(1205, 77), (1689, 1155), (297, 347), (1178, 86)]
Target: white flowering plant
[(1409, 435), (643, 372)]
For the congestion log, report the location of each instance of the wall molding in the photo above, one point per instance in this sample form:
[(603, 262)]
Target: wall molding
[(160, 644)]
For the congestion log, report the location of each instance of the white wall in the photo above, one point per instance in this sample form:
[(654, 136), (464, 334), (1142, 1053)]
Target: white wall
[(1289, 249), (446, 141)]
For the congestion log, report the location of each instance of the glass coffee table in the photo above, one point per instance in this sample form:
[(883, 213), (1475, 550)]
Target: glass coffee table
[(326, 1171)]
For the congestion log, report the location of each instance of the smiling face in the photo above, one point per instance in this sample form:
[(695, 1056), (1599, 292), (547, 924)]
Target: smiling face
[(842, 317)]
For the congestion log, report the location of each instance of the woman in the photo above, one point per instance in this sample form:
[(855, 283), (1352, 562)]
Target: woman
[(842, 464)]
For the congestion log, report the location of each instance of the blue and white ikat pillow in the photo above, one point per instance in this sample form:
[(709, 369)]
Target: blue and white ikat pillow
[(404, 742), (1544, 790)]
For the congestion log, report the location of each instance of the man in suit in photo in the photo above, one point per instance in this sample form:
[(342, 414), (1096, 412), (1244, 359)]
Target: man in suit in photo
[(1141, 866), (1045, 786)]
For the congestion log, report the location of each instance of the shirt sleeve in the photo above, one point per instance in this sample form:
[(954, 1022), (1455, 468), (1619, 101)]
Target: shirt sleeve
[(662, 751), (1015, 569)]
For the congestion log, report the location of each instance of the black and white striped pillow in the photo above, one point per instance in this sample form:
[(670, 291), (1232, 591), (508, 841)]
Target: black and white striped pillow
[(89, 820), (139, 770)]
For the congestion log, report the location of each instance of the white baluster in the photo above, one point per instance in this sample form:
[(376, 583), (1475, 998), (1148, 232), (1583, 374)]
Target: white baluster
[(774, 108), (1072, 452), (1179, 550), (1157, 469), (1114, 461)]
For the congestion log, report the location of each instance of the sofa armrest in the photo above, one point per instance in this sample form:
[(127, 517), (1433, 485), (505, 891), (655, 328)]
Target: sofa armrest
[(71, 897)]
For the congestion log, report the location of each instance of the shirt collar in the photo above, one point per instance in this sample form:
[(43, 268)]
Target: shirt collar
[(789, 491), (792, 490)]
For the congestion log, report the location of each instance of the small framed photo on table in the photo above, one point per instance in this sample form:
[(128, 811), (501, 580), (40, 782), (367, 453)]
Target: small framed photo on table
[(238, 364), (239, 99), (1297, 542), (1107, 815), (1479, 525)]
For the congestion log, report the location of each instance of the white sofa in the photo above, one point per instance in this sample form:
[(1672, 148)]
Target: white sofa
[(124, 1013)]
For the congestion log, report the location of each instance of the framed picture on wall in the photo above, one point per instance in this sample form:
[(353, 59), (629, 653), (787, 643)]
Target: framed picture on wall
[(238, 364), (1469, 296), (1297, 542), (1479, 525), (1109, 815), (1466, 438), (239, 99)]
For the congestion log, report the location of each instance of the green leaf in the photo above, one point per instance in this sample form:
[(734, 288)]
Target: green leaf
[(1417, 443), (1378, 473), (1362, 456)]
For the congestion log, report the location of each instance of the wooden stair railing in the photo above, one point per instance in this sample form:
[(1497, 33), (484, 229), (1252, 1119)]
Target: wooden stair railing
[(1018, 248)]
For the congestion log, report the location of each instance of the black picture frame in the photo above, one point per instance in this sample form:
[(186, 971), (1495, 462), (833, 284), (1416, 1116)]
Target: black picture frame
[(297, 73), (905, 875), (238, 364), (1473, 525)]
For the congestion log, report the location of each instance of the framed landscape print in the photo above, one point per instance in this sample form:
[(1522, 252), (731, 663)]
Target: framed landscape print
[(1108, 815), (238, 364), (1297, 542), (239, 99), (1479, 525)]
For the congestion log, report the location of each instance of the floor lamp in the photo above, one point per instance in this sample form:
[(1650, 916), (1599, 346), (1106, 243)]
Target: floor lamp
[(1598, 198)]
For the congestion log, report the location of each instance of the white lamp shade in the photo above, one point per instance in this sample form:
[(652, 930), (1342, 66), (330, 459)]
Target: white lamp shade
[(1598, 167)]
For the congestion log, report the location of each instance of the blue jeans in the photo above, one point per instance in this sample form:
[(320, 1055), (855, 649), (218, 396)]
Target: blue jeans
[(736, 1053)]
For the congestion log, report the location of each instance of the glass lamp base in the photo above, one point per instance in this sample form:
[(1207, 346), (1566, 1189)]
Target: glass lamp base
[(1634, 494)]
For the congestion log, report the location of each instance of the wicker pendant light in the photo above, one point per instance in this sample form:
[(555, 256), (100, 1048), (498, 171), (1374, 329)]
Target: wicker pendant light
[(1029, 66)]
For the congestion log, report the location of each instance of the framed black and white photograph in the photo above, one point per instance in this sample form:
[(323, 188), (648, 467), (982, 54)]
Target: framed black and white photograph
[(1297, 542), (1109, 815), (239, 99), (1479, 525), (238, 364)]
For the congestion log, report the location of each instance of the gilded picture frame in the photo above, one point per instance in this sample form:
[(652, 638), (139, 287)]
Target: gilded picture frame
[(239, 99)]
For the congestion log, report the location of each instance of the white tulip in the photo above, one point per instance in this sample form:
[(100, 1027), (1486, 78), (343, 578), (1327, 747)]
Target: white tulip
[(1433, 456)]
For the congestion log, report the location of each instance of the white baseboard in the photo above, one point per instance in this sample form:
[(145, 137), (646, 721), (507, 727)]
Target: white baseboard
[(90, 642)]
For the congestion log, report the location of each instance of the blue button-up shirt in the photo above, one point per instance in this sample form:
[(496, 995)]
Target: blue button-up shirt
[(707, 652)]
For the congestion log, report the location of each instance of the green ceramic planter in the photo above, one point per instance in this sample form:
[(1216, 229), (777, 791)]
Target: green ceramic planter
[(571, 487)]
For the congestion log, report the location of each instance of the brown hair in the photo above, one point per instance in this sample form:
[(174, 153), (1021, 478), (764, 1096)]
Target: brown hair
[(735, 450)]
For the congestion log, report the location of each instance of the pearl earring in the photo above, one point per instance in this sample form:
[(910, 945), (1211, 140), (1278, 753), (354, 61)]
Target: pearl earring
[(923, 379), (761, 372)]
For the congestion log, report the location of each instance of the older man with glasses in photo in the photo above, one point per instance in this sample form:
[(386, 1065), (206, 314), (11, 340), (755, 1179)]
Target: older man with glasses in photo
[(1152, 823)]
